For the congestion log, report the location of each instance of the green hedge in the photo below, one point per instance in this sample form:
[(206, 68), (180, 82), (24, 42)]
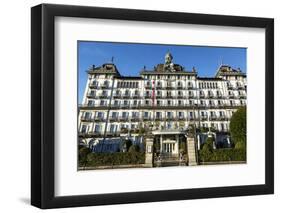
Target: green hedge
[(222, 155), (117, 158)]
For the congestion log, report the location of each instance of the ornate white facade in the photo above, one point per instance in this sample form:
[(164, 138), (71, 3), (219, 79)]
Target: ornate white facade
[(168, 97)]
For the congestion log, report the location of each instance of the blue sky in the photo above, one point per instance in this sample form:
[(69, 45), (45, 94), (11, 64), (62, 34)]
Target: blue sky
[(130, 58)]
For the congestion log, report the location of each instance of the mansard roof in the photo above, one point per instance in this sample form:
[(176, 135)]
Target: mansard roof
[(224, 70), (159, 69), (107, 68)]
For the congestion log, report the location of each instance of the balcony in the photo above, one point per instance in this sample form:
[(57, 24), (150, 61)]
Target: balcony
[(219, 96), (213, 117), (169, 87), (222, 118), (134, 106), (181, 118), (91, 95), (191, 118), (146, 118), (126, 96), (158, 118), (124, 106), (113, 118), (230, 87), (180, 96), (203, 117), (103, 96), (93, 86), (90, 134), (170, 117), (202, 95), (134, 118), (147, 96), (105, 86), (181, 105), (159, 86), (86, 119), (211, 96), (242, 96), (115, 106), (124, 118), (240, 87), (230, 96), (112, 133), (99, 119), (202, 105), (179, 87), (190, 86), (136, 96), (148, 86), (117, 95)]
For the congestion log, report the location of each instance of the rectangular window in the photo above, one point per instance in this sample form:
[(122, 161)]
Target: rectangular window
[(91, 103), (87, 115), (112, 128), (169, 114), (100, 115), (158, 114), (84, 129), (146, 114), (97, 128), (124, 114), (102, 103)]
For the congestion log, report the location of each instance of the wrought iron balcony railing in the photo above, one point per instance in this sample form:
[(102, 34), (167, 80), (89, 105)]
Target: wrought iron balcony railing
[(91, 95), (93, 86)]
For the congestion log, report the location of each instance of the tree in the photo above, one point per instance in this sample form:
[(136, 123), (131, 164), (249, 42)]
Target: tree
[(207, 151), (209, 143), (125, 145), (83, 153), (238, 127), (182, 147), (134, 148)]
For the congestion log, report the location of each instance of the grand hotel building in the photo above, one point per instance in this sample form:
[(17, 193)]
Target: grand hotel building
[(168, 96)]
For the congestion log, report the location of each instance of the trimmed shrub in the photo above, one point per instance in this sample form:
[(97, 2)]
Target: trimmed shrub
[(117, 158), (83, 153), (134, 148), (238, 126), (217, 155), (240, 145)]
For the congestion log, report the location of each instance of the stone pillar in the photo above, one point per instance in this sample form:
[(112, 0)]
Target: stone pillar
[(198, 142), (149, 152), (177, 144), (191, 151), (161, 143)]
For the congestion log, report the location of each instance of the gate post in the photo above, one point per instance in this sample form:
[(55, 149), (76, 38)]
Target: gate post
[(191, 151), (149, 152)]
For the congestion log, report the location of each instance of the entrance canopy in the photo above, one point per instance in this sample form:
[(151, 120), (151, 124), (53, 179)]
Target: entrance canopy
[(169, 132)]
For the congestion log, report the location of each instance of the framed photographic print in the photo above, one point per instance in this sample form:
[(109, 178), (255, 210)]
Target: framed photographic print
[(139, 106)]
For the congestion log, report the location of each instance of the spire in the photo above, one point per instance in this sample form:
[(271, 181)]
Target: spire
[(168, 58)]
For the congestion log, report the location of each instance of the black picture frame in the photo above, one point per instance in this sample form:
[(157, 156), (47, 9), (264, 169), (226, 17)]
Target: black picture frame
[(43, 102)]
